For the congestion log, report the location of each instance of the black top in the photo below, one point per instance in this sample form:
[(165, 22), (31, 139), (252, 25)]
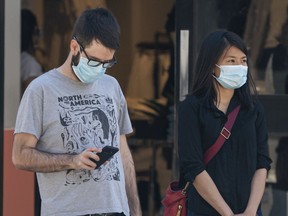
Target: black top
[(233, 167)]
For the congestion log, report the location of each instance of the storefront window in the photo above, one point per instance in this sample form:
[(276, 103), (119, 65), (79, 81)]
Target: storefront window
[(266, 34)]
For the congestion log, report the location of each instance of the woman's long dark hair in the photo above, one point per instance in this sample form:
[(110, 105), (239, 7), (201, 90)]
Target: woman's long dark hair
[(28, 27), (212, 48)]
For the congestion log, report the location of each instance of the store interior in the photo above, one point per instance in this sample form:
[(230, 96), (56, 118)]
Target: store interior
[(145, 71)]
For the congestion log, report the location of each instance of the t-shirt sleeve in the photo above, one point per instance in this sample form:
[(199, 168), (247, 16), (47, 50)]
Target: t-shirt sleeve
[(29, 117), (124, 122)]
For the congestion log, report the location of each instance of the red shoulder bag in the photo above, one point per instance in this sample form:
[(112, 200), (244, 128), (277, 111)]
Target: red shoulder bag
[(174, 202)]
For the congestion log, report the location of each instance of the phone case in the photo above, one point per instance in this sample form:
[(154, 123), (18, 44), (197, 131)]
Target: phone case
[(106, 154)]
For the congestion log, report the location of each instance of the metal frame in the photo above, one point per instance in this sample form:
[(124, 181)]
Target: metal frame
[(2, 17), (183, 65)]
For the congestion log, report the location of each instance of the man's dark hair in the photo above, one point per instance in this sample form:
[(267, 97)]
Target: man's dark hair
[(28, 28), (98, 24)]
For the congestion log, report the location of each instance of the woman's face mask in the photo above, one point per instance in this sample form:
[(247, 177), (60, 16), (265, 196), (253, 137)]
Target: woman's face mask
[(232, 76), (86, 73)]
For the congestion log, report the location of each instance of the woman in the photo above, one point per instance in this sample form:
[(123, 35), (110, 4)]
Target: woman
[(233, 182), (30, 67)]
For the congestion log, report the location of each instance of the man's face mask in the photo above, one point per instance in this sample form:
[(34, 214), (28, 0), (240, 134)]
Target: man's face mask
[(89, 70), (86, 73), (232, 76)]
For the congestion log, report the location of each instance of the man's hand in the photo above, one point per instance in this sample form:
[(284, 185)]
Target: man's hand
[(82, 160)]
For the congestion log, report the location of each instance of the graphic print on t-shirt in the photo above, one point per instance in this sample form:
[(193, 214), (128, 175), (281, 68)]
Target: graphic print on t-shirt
[(89, 121)]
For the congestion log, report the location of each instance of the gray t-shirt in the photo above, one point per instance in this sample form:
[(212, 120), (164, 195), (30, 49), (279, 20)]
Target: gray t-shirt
[(68, 116)]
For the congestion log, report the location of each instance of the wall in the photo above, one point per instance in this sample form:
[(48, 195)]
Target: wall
[(18, 186), (18, 199), (11, 62)]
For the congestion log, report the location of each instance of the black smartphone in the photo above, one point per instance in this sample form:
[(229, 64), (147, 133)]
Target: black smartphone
[(106, 154)]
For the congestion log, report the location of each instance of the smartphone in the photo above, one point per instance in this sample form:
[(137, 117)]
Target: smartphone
[(106, 154)]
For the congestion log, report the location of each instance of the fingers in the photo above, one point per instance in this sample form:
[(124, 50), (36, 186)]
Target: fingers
[(93, 149), (83, 160)]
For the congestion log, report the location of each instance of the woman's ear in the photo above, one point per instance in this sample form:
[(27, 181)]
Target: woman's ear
[(216, 70)]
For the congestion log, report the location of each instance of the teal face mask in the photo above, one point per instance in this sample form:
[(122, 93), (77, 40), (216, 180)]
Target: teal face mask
[(232, 76), (86, 73)]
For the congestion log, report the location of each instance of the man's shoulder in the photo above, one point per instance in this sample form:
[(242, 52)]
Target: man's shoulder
[(109, 78), (43, 79)]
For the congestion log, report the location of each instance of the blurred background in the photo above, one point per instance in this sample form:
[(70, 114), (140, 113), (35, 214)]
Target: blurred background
[(155, 64)]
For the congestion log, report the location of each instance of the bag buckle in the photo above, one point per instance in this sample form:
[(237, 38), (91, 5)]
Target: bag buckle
[(179, 210), (184, 190), (225, 133)]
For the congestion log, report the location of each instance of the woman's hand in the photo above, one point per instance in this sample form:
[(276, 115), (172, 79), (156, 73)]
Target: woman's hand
[(246, 214)]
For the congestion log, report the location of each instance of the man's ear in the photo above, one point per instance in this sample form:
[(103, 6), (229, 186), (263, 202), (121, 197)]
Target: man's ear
[(74, 47)]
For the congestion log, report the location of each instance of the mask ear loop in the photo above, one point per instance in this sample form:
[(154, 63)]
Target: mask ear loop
[(218, 66), (213, 73), (214, 76), (75, 59)]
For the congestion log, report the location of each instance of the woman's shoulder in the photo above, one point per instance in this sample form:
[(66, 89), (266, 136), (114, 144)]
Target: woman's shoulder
[(45, 79), (258, 106), (191, 101)]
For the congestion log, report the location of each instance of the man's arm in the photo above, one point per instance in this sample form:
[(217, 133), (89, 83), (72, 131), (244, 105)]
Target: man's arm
[(208, 190), (25, 156), (130, 178)]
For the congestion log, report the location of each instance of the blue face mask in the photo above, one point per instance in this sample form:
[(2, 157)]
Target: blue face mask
[(86, 73), (232, 76)]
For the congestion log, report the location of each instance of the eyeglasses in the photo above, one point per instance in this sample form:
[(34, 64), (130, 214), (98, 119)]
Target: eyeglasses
[(96, 62)]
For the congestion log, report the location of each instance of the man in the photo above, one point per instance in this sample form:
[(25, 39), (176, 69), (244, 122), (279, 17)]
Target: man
[(67, 116)]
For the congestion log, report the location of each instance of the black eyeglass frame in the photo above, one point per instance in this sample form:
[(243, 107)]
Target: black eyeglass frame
[(96, 62)]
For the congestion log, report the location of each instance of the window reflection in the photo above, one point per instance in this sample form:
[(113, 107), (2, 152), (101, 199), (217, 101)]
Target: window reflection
[(266, 35)]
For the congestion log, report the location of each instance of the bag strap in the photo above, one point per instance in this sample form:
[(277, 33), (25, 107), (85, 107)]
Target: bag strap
[(224, 135)]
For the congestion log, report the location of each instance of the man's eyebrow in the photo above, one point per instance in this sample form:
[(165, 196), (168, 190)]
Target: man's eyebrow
[(93, 57), (97, 59)]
